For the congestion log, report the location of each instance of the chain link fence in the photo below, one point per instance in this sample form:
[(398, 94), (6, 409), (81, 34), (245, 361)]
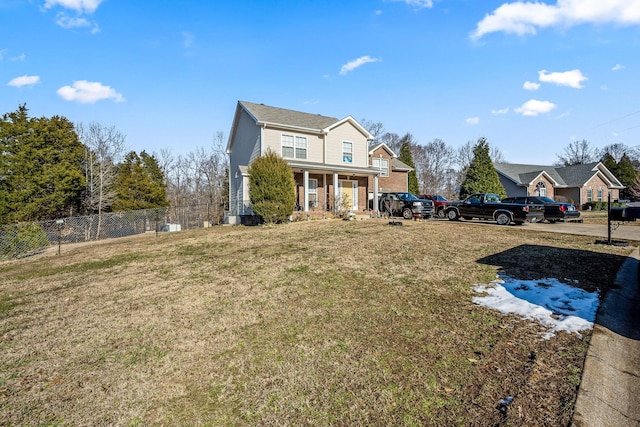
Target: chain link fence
[(22, 240)]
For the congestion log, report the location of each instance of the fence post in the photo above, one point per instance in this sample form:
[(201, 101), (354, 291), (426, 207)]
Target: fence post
[(59, 222)]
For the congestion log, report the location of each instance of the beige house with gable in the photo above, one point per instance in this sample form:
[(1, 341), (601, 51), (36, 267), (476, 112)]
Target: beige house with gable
[(329, 158)]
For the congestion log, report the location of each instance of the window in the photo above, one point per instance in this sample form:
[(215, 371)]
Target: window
[(294, 147), (347, 152), (382, 165), (599, 194), (541, 189), (589, 195), (313, 193), (301, 147)]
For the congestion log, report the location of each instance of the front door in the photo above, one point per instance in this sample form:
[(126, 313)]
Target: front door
[(349, 195)]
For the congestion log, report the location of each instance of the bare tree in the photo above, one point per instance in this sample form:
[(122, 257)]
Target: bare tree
[(198, 177), (618, 150), (375, 128), (104, 148), (435, 160), (577, 153)]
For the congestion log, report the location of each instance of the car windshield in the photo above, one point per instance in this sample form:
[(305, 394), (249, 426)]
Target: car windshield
[(407, 197), (440, 198)]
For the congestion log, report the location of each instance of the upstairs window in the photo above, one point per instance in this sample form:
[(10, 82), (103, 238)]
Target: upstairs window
[(294, 147), (541, 189), (347, 152), (381, 164)]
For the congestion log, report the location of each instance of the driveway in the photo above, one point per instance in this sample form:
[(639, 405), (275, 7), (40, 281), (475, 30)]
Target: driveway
[(622, 232)]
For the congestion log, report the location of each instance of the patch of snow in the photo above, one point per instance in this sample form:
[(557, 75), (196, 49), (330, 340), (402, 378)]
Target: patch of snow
[(555, 305)]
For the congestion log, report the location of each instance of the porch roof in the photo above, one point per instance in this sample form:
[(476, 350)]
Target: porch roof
[(299, 166)]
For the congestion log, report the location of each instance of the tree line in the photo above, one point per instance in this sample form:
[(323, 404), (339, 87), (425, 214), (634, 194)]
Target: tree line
[(52, 168), (442, 169)]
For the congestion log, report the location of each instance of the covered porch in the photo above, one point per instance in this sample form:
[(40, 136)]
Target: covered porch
[(322, 189)]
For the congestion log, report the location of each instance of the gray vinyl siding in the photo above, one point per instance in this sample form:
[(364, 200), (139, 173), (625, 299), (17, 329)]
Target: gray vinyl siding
[(512, 189), (246, 147)]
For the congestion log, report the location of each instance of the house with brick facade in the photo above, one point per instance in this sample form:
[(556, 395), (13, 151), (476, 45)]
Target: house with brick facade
[(394, 174), (329, 158), (578, 184)]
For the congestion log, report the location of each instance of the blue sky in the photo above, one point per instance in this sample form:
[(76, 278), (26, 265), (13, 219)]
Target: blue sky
[(531, 77)]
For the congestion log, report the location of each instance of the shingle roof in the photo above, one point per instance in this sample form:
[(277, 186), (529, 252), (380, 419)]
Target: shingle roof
[(524, 174), (281, 116), (564, 176), (397, 165), (577, 175)]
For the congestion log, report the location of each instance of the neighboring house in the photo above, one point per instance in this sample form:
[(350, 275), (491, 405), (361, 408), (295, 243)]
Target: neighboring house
[(329, 158), (578, 184), (394, 175)]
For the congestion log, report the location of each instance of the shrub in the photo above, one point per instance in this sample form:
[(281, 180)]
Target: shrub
[(272, 188), (20, 240)]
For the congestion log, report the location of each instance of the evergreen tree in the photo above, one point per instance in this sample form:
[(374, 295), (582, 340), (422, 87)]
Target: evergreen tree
[(626, 174), (272, 188), (406, 157), (139, 183), (41, 173), (610, 163), (481, 176)]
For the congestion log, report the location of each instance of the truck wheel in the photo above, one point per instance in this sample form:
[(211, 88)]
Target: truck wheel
[(503, 219), (452, 215), (407, 213), (441, 213)]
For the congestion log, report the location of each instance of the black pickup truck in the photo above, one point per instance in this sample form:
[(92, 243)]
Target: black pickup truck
[(405, 204), (488, 206)]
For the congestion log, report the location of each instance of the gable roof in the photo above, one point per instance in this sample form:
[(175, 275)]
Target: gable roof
[(561, 176), (384, 147), (264, 114)]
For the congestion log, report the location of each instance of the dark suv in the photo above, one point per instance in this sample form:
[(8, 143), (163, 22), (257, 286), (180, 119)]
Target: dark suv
[(405, 204), (553, 211)]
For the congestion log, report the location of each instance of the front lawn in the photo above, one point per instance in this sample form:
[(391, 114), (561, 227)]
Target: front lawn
[(312, 323)]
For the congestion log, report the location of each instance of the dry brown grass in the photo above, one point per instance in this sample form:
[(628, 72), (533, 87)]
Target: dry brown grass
[(312, 323)]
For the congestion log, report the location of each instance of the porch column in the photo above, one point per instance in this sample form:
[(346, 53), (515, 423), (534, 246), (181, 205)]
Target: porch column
[(375, 194), (336, 192), (305, 185)]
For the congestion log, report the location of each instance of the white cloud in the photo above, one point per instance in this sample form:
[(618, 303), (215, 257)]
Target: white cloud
[(618, 67), (473, 120), (522, 18), (533, 107), (2, 52), (500, 111), (80, 6), (67, 23), (86, 92), (417, 4), (573, 78), (531, 85), (24, 81), (352, 65)]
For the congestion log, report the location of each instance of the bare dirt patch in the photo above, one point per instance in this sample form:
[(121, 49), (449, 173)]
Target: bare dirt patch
[(314, 323)]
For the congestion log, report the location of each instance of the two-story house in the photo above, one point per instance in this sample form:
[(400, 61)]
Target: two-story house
[(329, 158), (394, 174)]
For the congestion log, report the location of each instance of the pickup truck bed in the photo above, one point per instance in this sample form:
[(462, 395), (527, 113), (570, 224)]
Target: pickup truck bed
[(488, 206)]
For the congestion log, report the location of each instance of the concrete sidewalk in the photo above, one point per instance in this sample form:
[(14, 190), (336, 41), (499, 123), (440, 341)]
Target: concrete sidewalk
[(609, 393)]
